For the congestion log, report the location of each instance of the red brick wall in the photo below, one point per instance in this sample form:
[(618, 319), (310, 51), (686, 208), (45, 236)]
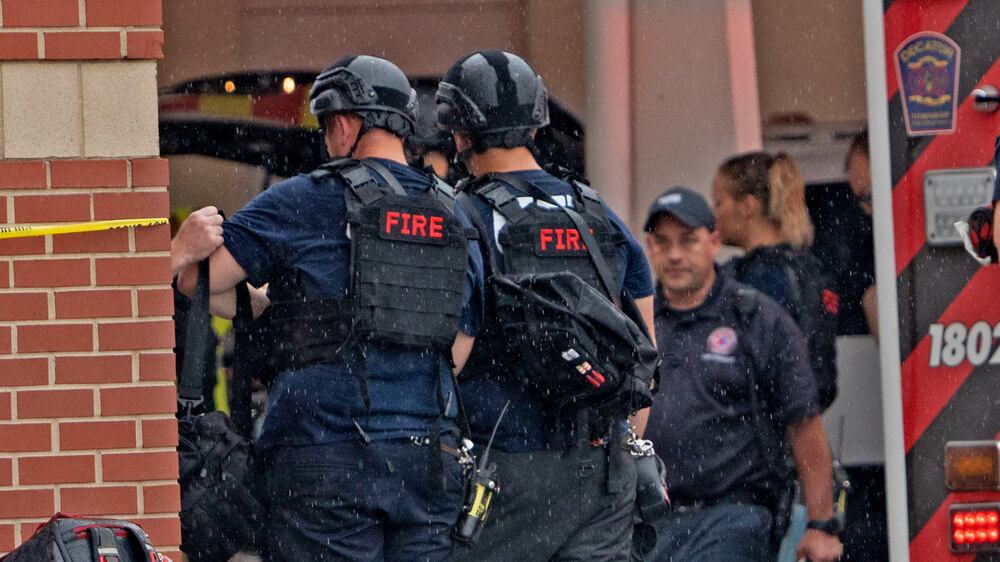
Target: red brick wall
[(64, 29), (86, 367)]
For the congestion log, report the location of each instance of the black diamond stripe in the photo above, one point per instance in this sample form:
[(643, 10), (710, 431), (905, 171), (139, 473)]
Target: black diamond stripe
[(966, 417)]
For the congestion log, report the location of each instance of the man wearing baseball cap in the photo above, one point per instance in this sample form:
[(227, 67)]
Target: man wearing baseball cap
[(735, 389)]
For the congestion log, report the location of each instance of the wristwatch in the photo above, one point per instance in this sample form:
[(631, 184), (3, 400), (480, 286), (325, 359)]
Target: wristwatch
[(832, 526)]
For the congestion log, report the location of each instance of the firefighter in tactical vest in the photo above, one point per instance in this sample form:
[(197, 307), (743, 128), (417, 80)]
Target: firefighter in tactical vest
[(565, 492), (374, 284)]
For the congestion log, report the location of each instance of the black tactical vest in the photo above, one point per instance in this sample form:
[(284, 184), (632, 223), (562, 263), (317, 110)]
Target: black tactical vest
[(408, 258), (543, 240)]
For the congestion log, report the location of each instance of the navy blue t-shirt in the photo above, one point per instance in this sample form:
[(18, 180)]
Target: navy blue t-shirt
[(301, 225), (701, 419), (525, 427)]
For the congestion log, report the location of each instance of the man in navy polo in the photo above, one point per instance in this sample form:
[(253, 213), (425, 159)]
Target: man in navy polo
[(722, 344)]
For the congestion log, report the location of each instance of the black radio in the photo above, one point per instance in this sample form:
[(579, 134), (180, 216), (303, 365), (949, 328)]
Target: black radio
[(480, 490)]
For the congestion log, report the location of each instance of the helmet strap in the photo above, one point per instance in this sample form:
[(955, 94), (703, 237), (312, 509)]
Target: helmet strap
[(461, 158), (366, 126)]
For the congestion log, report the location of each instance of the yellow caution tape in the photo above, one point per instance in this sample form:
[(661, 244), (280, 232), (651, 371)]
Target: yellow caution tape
[(74, 228)]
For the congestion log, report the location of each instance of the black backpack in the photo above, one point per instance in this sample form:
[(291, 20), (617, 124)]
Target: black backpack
[(221, 509), (562, 338), (570, 345), (67, 539), (814, 308)]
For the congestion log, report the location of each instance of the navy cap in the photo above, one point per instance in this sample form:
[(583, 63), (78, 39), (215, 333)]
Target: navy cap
[(685, 205)]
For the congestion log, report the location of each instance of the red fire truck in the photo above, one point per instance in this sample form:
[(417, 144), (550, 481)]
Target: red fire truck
[(932, 71)]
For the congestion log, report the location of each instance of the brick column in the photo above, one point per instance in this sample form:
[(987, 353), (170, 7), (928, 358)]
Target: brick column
[(86, 367)]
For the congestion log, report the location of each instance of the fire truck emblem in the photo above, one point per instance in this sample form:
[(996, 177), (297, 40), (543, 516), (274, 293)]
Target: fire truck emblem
[(927, 68)]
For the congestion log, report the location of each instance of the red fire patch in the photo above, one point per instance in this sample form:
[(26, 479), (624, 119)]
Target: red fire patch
[(559, 241), (412, 226)]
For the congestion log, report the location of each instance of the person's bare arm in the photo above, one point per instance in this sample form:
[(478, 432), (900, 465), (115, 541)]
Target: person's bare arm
[(460, 350), (640, 419), (224, 304), (198, 236), (645, 306), (225, 273), (812, 459), (869, 304)]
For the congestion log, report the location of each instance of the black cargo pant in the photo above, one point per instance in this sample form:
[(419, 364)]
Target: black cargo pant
[(560, 506)]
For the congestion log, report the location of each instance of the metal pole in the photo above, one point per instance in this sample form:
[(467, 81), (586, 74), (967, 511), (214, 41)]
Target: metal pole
[(608, 44), (885, 278)]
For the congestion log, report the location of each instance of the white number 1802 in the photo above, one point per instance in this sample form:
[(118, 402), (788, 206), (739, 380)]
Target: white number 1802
[(953, 343)]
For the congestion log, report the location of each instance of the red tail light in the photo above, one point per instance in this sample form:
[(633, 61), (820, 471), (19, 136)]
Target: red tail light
[(975, 527)]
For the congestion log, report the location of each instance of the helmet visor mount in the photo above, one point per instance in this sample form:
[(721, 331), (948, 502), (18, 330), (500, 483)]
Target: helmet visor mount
[(330, 90), (449, 100)]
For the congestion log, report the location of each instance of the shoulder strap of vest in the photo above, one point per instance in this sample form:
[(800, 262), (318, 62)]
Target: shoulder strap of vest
[(447, 196), (798, 298), (746, 302), (485, 247), (498, 195), (746, 306), (385, 175), (328, 169), (588, 196), (788, 260), (360, 179), (589, 200), (444, 193)]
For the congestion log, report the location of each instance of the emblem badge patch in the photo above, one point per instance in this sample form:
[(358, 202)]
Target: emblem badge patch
[(927, 69), (722, 341)]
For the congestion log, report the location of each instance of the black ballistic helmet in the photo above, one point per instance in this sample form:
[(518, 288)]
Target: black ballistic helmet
[(372, 87), (493, 96), (427, 136)]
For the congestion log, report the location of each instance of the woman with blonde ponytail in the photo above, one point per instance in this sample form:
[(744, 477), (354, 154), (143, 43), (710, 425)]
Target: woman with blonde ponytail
[(788, 202), (760, 207), (760, 200)]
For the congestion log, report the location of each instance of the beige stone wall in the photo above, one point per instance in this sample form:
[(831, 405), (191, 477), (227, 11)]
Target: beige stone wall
[(810, 58), (689, 111), (809, 52), (98, 109), (423, 37)]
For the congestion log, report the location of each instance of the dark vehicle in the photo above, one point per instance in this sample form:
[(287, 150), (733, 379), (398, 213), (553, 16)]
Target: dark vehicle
[(263, 119)]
